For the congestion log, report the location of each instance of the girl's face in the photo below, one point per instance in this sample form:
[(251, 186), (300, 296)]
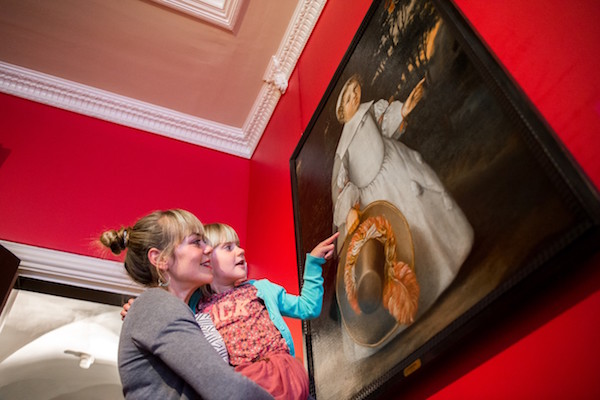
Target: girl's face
[(190, 264), (229, 265), (351, 100)]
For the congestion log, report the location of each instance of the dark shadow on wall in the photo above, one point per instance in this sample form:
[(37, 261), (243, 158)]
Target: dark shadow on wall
[(4, 153)]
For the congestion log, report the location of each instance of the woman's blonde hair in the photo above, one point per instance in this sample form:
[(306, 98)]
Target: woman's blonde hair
[(163, 230), (218, 233)]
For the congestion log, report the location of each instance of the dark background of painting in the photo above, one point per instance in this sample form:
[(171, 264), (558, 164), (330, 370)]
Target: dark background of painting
[(485, 155)]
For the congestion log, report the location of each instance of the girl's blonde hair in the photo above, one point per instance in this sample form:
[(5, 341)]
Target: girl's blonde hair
[(215, 235), (218, 233), (163, 230)]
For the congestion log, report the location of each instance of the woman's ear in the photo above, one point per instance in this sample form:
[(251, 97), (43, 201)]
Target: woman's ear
[(154, 255)]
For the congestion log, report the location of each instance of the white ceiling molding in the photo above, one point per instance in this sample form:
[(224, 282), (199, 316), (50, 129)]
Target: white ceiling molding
[(72, 269), (281, 66), (87, 100), (277, 76), (94, 102), (223, 13), (298, 31)]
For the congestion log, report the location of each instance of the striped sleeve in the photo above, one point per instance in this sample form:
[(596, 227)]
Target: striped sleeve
[(212, 335)]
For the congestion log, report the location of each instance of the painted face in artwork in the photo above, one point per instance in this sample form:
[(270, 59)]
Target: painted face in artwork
[(351, 100)]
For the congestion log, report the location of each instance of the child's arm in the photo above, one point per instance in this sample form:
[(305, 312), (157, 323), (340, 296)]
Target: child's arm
[(308, 304), (310, 301)]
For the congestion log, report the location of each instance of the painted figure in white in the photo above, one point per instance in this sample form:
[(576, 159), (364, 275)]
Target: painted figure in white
[(370, 164)]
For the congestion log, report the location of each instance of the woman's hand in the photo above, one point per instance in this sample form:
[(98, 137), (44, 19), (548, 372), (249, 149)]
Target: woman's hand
[(325, 248), (126, 308)]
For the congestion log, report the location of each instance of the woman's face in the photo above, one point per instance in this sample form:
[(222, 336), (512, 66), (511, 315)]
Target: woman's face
[(229, 264), (191, 263), (351, 100)]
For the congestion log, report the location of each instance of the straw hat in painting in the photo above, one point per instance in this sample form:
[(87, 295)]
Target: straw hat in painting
[(376, 285)]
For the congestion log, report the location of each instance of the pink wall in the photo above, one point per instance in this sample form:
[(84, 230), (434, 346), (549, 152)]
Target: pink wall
[(67, 177), (547, 348)]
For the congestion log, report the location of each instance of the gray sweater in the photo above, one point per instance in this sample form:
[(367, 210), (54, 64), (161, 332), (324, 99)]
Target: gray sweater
[(164, 355)]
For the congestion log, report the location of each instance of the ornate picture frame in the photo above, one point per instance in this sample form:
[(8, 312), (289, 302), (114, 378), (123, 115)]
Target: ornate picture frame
[(453, 196)]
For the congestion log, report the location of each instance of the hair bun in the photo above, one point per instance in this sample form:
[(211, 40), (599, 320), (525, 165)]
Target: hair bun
[(116, 241)]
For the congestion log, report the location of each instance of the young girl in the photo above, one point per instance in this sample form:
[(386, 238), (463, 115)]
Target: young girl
[(248, 314)]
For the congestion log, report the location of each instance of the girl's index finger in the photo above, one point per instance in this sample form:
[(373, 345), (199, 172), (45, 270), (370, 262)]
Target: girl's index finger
[(331, 238)]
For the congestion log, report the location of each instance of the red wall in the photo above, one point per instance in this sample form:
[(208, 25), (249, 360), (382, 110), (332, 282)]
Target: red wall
[(546, 349), (66, 177)]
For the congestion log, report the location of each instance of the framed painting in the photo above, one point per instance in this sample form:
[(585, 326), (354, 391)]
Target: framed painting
[(451, 194)]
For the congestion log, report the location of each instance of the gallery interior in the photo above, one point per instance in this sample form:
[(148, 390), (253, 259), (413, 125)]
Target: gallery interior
[(92, 141)]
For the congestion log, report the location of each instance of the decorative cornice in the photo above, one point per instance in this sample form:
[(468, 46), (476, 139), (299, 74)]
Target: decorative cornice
[(222, 13), (277, 76), (101, 104), (281, 66), (302, 24), (72, 269), (94, 102)]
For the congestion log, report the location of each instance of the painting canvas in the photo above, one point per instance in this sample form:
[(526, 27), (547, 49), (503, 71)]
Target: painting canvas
[(448, 190)]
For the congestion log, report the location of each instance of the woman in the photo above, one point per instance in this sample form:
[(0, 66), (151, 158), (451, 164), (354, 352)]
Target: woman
[(162, 354)]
